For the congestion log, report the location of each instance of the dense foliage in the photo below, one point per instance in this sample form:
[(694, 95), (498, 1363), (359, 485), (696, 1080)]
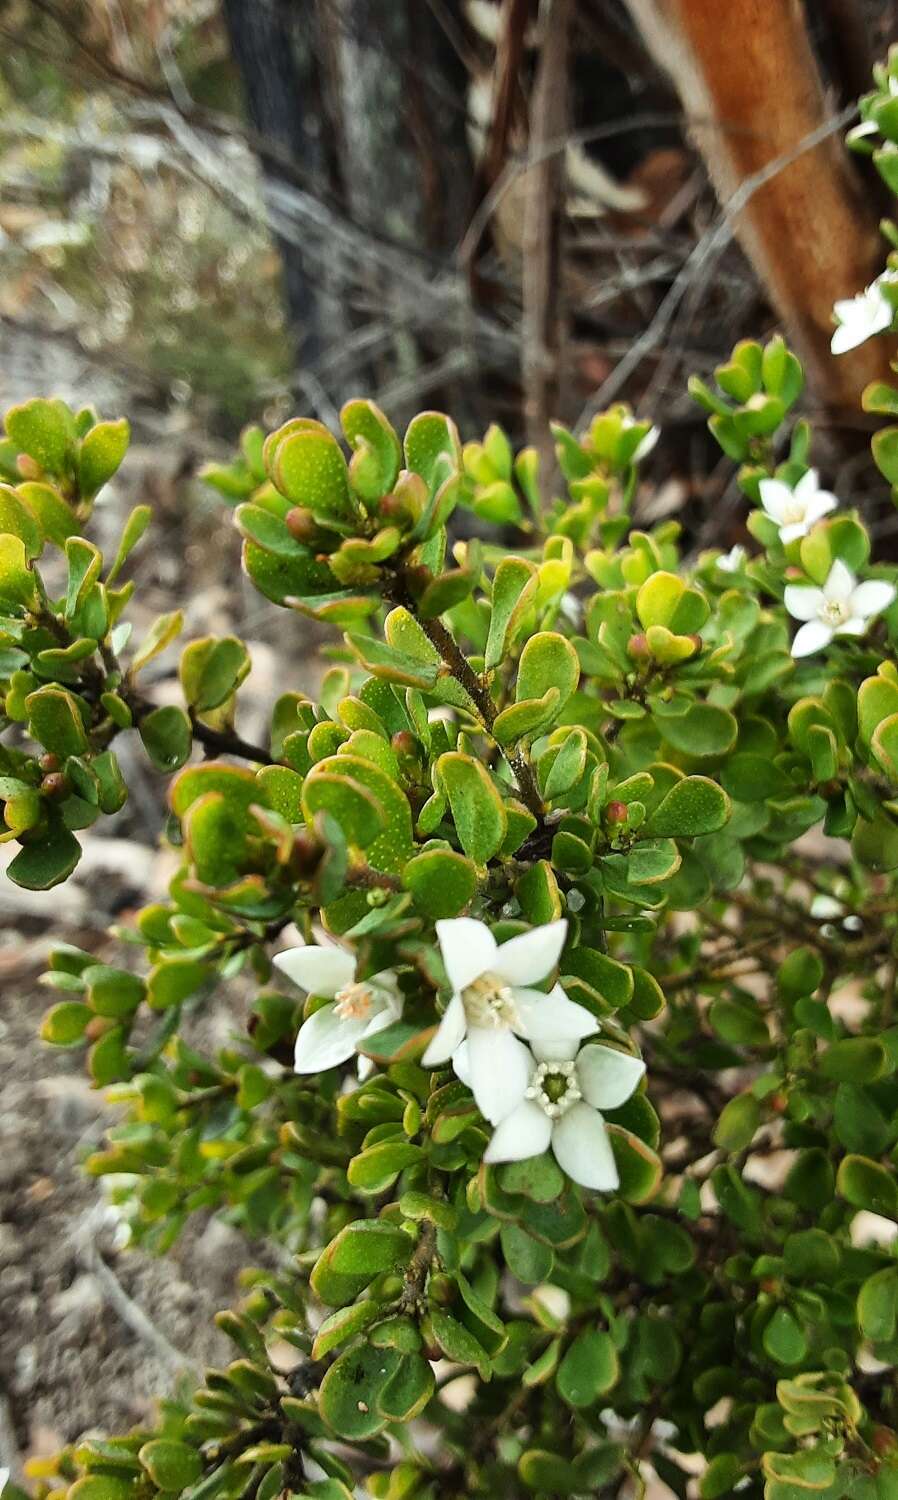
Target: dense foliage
[(575, 1111)]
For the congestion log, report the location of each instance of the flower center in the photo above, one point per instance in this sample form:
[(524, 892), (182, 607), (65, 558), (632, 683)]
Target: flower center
[(554, 1087), (353, 1003), (834, 612), (489, 1001), (793, 513)]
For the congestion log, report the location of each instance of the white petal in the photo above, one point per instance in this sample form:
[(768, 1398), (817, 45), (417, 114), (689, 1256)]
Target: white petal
[(321, 971), (449, 1034), (582, 1149), (525, 1132), (803, 603), (846, 308), (807, 486), (530, 957), (500, 1067), (871, 597), (606, 1076), (645, 447), (849, 334), (793, 531), (468, 948), (327, 1039), (461, 1063), (386, 1007), (552, 1017), (840, 584), (811, 637), (855, 625), (556, 1049), (776, 498), (819, 505), (881, 314)]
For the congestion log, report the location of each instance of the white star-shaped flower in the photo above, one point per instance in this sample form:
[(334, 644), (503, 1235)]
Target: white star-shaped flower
[(862, 316), (732, 561), (842, 607), (561, 1108), (796, 510), (359, 1009), (493, 1005)]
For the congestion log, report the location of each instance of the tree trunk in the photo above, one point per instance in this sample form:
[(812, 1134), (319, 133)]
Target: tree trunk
[(262, 49), (749, 83), (543, 329)]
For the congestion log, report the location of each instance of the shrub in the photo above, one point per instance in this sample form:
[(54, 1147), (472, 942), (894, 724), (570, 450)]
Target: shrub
[(558, 1111)]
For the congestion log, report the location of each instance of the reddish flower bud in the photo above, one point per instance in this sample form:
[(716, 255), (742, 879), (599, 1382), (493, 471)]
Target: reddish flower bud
[(616, 812), (638, 646), (55, 786), (404, 742), (49, 762), (302, 525)]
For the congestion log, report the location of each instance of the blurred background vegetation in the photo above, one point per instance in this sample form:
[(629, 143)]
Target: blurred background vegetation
[(225, 210)]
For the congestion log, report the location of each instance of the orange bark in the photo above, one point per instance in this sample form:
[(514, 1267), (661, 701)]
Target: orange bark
[(748, 80)]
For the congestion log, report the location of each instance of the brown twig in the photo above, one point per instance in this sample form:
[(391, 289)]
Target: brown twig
[(474, 686)]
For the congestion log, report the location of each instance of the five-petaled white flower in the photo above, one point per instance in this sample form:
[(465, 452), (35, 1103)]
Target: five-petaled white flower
[(795, 511), (492, 999), (861, 316), (561, 1107), (732, 561), (359, 1009), (842, 607)]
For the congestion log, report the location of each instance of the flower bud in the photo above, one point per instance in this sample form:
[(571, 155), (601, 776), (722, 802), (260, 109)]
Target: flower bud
[(616, 812), (404, 742), (28, 467), (55, 786), (49, 762), (638, 647), (404, 506), (302, 526)]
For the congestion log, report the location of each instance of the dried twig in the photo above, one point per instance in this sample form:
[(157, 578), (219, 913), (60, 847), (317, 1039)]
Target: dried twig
[(699, 265), (84, 1241)]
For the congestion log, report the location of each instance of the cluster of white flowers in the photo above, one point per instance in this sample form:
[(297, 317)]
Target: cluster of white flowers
[(549, 1093), (842, 606), (862, 316)]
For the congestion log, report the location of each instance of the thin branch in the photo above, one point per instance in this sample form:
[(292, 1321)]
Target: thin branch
[(476, 690), (226, 742)]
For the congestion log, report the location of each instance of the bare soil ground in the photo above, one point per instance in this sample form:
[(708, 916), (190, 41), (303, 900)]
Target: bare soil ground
[(91, 1332)]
